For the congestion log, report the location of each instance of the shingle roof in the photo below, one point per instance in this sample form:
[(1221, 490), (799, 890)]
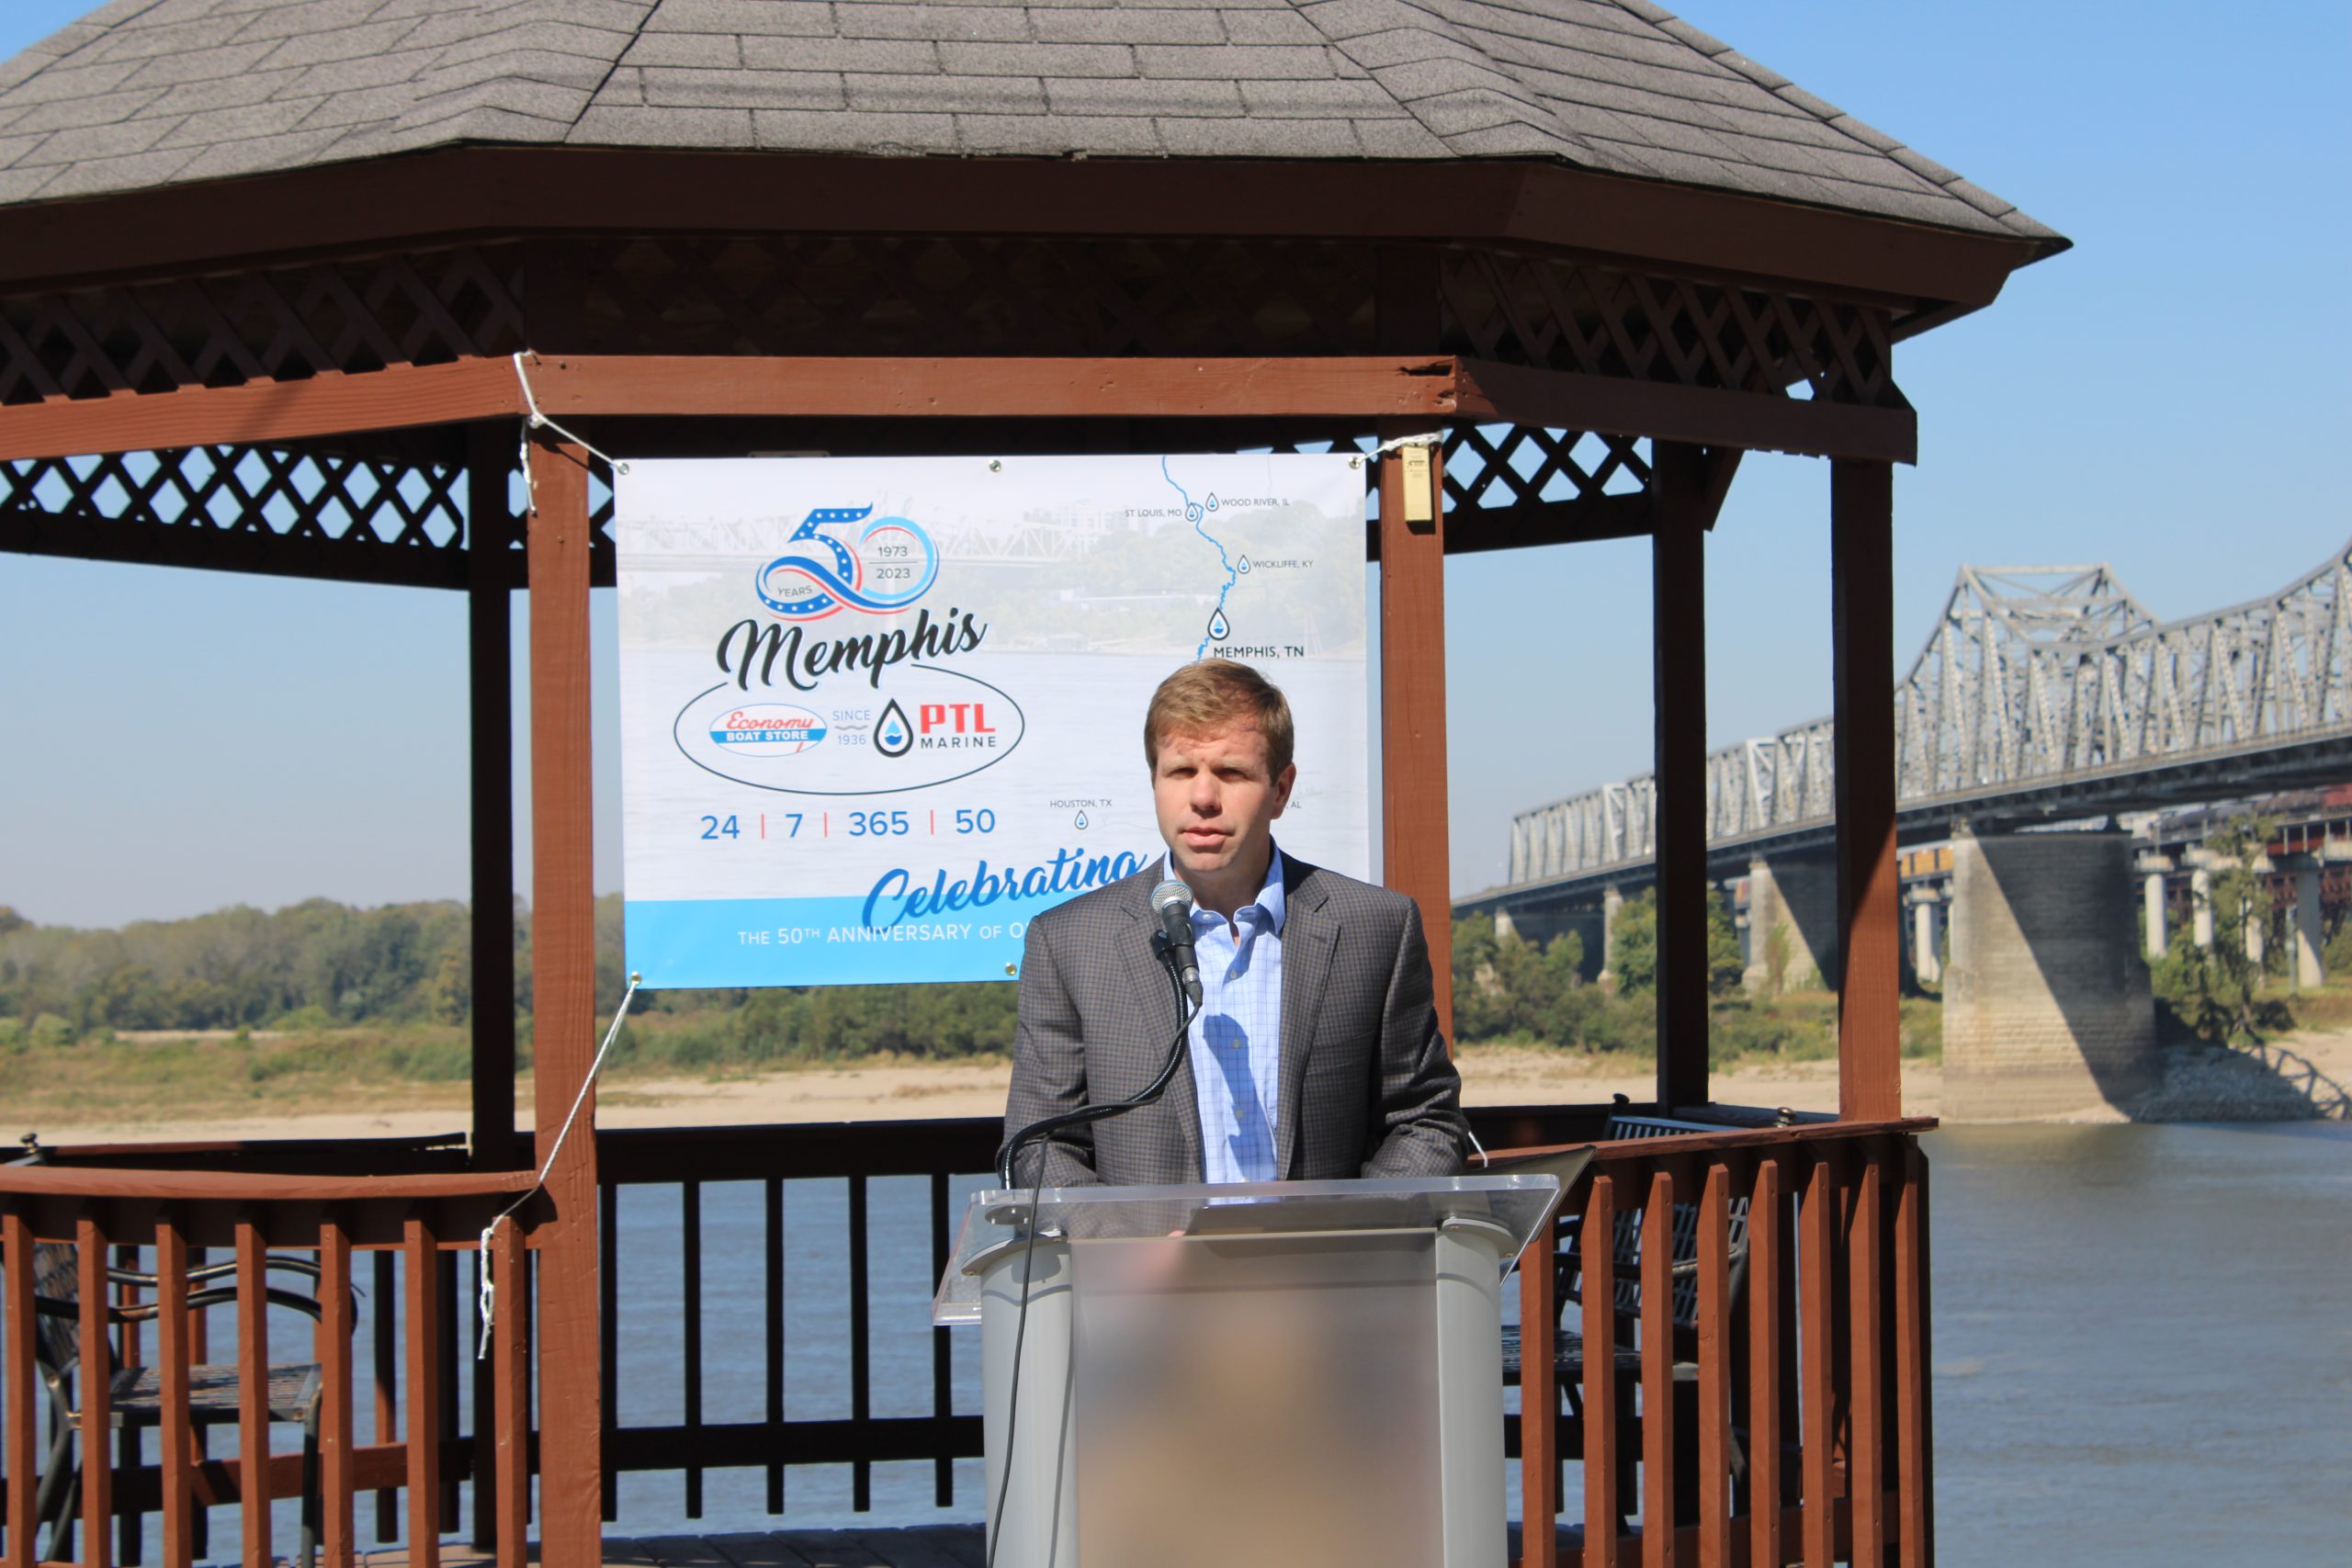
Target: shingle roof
[(144, 93)]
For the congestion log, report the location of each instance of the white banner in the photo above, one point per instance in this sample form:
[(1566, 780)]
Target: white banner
[(876, 713)]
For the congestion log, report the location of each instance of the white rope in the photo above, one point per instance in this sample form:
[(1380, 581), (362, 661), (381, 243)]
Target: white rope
[(533, 420), (488, 1294)]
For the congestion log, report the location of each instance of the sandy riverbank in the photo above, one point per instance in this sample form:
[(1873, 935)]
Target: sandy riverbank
[(1492, 1075)]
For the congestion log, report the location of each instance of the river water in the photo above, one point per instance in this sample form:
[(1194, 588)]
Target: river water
[(2143, 1348)]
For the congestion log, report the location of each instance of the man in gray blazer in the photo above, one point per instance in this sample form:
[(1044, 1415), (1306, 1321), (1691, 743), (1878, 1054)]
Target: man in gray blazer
[(1316, 1053)]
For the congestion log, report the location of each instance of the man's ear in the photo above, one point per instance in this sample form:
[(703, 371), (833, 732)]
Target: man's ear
[(1284, 781)]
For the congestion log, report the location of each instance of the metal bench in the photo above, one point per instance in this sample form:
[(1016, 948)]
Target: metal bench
[(1569, 1350)]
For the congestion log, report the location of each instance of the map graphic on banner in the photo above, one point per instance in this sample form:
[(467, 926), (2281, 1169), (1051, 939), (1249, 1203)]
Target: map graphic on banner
[(878, 712)]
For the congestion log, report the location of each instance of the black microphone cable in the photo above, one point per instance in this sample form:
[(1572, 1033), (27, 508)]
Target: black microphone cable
[(1186, 1011)]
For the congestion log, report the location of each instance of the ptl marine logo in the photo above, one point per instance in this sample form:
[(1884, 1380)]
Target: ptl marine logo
[(891, 564)]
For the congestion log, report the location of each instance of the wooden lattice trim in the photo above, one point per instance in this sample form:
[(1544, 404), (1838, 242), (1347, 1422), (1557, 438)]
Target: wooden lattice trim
[(1602, 320), (275, 324), (361, 505)]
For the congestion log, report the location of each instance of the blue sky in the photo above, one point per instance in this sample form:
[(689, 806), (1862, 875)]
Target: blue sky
[(2168, 397)]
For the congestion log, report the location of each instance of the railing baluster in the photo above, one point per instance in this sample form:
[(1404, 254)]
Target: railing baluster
[(1765, 1263), (485, 1442), (608, 1344), (1866, 1482), (1539, 1400), (199, 1440), (860, 1369), (1714, 1367), (1815, 1225), (16, 1239), (130, 1526), (252, 1392), (388, 1397), (1657, 1373), (172, 1377), (97, 1382), (943, 1383), (1598, 1281), (690, 1231), (510, 1361), (338, 1535), (445, 1295), (418, 1250), (772, 1264), (1910, 1363)]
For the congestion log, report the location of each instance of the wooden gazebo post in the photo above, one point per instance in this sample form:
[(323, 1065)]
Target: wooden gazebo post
[(563, 1034), (1869, 904)]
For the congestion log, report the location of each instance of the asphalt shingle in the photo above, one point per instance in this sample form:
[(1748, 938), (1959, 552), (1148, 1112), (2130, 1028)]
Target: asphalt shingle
[(147, 92)]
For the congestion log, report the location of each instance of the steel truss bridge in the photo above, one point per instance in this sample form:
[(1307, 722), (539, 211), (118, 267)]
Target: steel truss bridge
[(2045, 693)]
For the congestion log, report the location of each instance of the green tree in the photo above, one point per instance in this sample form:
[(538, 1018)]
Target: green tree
[(2213, 992), (1632, 956)]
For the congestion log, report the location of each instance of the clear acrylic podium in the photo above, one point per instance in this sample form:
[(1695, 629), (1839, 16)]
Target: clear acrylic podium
[(1291, 1372)]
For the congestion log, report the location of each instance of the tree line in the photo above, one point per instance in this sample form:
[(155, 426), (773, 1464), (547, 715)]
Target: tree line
[(320, 966)]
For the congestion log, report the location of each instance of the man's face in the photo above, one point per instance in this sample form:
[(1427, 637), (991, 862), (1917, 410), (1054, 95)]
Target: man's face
[(1217, 797)]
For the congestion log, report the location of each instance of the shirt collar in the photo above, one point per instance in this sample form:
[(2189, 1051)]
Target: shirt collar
[(1269, 898)]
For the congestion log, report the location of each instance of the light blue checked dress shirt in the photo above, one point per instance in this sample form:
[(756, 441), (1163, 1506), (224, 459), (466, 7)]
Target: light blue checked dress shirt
[(1237, 1036)]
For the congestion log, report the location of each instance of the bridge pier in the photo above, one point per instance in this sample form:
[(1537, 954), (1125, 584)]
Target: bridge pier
[(2311, 964), (2046, 1001), (1792, 924), (2200, 908), (1613, 903), (1928, 938), (2158, 937)]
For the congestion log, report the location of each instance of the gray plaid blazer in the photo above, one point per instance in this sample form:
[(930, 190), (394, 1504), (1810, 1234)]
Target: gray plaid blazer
[(1366, 1085)]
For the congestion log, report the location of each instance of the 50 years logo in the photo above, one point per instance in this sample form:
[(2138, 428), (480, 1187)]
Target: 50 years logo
[(891, 564)]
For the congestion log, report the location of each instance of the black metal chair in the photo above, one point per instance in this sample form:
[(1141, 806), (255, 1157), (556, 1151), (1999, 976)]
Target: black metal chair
[(136, 1394), (1625, 1249)]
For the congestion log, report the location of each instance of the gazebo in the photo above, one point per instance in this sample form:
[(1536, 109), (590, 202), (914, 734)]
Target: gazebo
[(267, 268)]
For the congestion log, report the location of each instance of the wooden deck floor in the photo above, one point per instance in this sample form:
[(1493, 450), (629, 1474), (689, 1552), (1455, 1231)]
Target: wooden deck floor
[(929, 1546), (932, 1545)]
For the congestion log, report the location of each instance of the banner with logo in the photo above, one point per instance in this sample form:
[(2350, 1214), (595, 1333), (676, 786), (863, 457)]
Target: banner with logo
[(878, 712)]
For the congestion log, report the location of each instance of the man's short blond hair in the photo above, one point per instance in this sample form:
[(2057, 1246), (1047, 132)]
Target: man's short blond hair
[(1206, 697)]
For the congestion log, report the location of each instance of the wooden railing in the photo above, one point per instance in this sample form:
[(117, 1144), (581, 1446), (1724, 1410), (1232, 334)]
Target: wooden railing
[(79, 1224), (1801, 1434), (855, 1154), (1823, 1353)]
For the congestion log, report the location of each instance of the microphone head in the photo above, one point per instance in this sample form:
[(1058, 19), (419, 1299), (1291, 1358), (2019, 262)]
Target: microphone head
[(1171, 895)]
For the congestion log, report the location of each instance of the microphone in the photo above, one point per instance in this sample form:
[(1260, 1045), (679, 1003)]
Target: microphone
[(1172, 902)]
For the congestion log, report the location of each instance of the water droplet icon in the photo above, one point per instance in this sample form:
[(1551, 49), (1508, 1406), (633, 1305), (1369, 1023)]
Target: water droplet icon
[(1243, 567), (892, 737), (1211, 501), (1218, 630), (1082, 821), (1192, 512)]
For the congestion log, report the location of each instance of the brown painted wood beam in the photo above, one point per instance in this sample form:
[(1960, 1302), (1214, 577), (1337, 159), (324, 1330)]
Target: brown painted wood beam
[(1568, 400), (563, 949), (1869, 911), (576, 386), (570, 387), (1678, 696), (478, 194), (1415, 826), (490, 731)]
